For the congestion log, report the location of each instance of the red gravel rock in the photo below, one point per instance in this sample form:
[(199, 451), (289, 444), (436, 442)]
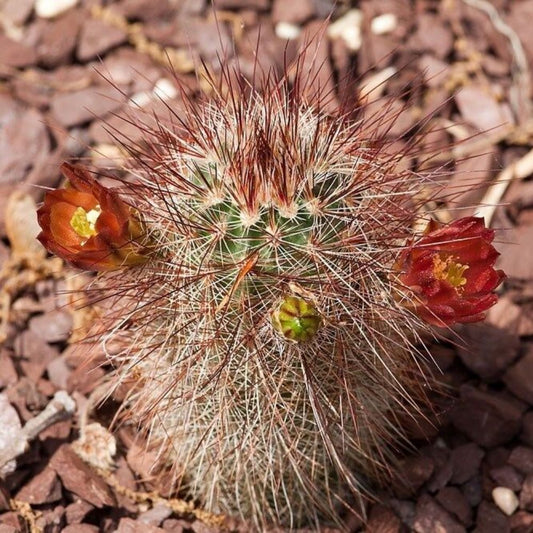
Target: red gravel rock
[(481, 109), (433, 35), (294, 12), (80, 528), (382, 520), (413, 473), (488, 419), (42, 488), (507, 476), (490, 519), (241, 4), (486, 350), (454, 501), (51, 520), (527, 429), (77, 511), (4, 497), (24, 141), (522, 459), (35, 353), (128, 525), (519, 377), (58, 372), (59, 39), (54, 326), (8, 376), (80, 478), (526, 494), (430, 516), (15, 54), (155, 515), (435, 71), (17, 11), (520, 16), (78, 107), (517, 253), (521, 522), (466, 460), (96, 38)]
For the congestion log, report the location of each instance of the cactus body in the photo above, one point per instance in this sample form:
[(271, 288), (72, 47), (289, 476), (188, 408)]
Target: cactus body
[(270, 362)]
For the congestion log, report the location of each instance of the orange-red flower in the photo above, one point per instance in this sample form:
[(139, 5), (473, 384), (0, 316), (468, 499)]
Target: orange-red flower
[(89, 226), (450, 273)]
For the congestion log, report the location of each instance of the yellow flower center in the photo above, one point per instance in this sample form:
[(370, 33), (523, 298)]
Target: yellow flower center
[(83, 222), (449, 270)]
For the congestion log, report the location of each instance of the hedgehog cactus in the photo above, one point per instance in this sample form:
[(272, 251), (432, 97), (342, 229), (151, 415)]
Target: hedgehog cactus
[(270, 353)]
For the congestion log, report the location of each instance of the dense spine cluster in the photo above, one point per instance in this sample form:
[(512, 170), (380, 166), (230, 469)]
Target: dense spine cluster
[(254, 205), (266, 293)]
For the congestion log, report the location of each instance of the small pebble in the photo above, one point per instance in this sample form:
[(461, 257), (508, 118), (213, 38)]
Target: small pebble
[(348, 28), (286, 30), (505, 499), (51, 8), (383, 24)]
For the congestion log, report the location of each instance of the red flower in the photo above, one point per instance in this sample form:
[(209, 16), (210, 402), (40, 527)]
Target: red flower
[(89, 226), (450, 272)]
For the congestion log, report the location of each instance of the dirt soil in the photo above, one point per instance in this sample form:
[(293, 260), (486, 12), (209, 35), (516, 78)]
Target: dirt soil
[(467, 63)]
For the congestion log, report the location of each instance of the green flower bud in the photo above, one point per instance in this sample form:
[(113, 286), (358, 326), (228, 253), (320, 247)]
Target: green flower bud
[(296, 319)]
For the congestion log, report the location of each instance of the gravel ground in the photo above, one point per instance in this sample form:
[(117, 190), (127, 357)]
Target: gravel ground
[(466, 63)]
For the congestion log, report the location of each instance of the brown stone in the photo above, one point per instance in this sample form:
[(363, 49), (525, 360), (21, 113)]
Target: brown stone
[(454, 501), (382, 520), (430, 516), (8, 376), (522, 459), (35, 353), (17, 11), (526, 494), (80, 478), (434, 35), (413, 473), (521, 522), (15, 54), (54, 326), (128, 525), (24, 141), (59, 39), (489, 419), (466, 460), (294, 12), (486, 350), (518, 377), (507, 476), (78, 107), (77, 511), (481, 109), (80, 528), (527, 429), (44, 487), (490, 519), (516, 258), (96, 38)]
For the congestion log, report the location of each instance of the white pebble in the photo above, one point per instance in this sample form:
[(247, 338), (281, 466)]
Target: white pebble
[(505, 499), (383, 24), (348, 28), (51, 8), (286, 30), (165, 89)]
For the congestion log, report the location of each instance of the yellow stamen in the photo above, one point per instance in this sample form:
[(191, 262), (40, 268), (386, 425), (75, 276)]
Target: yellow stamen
[(449, 270), (83, 222)]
